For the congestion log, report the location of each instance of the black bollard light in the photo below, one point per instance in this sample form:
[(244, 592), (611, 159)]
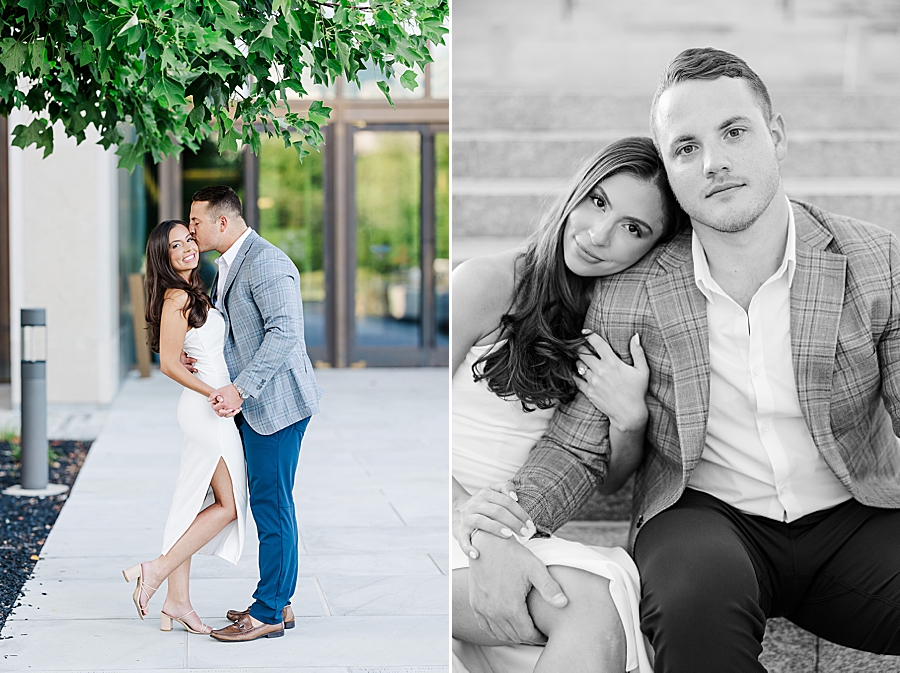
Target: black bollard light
[(35, 469), (35, 472)]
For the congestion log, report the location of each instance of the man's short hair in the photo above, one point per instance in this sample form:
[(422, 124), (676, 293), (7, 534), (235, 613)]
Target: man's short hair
[(222, 201), (707, 63)]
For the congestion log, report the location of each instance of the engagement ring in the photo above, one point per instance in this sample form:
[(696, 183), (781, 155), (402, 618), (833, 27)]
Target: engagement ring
[(581, 370)]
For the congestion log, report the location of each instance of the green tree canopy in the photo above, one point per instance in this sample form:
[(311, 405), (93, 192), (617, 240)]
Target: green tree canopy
[(180, 69)]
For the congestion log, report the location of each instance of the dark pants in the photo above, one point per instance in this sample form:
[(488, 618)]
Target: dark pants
[(712, 575), (271, 466)]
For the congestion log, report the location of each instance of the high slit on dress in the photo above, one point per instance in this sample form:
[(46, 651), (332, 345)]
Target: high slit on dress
[(491, 438), (207, 438)]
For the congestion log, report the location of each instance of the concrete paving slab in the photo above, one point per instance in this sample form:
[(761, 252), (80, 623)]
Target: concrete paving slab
[(788, 648), (334, 641), (90, 645), (385, 607), (836, 659), (427, 539), (361, 596), (63, 599)]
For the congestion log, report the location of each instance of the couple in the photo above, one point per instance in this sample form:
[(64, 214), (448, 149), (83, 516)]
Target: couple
[(249, 394), (767, 469)]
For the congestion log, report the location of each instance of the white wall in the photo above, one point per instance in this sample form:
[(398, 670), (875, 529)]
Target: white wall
[(64, 257)]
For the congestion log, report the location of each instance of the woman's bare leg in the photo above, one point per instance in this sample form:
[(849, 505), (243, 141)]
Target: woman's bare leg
[(586, 635), (465, 626), (204, 528)]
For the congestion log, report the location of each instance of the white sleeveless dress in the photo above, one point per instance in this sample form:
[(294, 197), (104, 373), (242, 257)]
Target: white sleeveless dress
[(207, 437), (491, 439)]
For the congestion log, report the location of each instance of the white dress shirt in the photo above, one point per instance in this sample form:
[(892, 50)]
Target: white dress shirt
[(224, 262), (759, 455)]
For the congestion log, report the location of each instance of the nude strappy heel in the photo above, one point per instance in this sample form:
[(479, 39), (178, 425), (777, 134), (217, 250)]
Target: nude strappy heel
[(136, 572), (165, 623)]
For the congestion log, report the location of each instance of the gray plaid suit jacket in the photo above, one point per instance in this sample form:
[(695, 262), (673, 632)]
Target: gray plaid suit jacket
[(845, 342), (264, 346)]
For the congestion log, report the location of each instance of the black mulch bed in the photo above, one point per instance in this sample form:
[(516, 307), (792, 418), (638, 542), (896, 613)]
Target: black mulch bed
[(26, 522)]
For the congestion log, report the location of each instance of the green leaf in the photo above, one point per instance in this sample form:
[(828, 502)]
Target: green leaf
[(38, 133), (386, 90), (169, 93), (33, 7), (408, 80), (219, 67), (318, 113), (130, 155), (13, 55), (197, 115), (131, 23)]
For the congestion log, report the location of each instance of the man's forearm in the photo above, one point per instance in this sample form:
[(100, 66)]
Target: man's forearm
[(555, 482)]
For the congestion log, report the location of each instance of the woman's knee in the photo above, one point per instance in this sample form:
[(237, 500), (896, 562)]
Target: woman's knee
[(590, 610)]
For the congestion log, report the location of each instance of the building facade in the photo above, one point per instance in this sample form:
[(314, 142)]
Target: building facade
[(365, 220)]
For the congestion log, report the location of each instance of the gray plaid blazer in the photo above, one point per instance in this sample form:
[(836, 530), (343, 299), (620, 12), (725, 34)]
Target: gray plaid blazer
[(264, 346), (845, 342)]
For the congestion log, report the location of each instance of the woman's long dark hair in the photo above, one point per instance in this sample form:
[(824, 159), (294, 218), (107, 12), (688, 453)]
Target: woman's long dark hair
[(543, 326), (161, 277)]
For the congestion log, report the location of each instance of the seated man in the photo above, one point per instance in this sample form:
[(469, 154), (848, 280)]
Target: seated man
[(771, 480)]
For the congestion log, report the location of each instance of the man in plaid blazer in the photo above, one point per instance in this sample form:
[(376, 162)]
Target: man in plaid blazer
[(770, 484), (257, 289)]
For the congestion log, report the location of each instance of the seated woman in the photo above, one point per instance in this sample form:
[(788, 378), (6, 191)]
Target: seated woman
[(519, 352)]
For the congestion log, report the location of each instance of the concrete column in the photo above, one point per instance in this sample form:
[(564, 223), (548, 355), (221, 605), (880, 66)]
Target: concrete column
[(64, 256)]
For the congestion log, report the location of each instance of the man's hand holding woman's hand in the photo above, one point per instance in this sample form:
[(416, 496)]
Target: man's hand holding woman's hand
[(499, 583), (494, 510), (225, 401)]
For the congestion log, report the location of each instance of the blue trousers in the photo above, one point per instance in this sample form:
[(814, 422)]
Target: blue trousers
[(271, 466)]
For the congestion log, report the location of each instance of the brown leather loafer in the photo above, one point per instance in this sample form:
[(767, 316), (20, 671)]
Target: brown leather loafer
[(243, 630), (287, 616)]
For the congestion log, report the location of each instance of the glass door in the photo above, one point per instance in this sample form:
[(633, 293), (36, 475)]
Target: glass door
[(291, 207), (400, 271)]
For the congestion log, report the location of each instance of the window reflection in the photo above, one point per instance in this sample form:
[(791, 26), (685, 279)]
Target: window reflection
[(291, 216)]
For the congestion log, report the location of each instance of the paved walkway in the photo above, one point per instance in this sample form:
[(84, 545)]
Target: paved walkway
[(372, 509)]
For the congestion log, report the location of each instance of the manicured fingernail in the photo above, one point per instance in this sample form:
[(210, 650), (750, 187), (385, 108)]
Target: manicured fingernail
[(529, 523), (512, 494), (473, 554), (585, 331), (524, 532), (506, 532)]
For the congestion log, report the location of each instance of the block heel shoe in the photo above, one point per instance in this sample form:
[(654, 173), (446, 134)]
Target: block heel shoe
[(165, 623), (137, 572)]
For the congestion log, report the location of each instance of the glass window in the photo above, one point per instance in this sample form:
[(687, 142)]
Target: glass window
[(442, 238), (206, 168), (388, 273), (291, 216)]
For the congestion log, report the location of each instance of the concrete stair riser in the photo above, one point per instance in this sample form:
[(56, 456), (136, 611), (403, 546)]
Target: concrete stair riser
[(585, 111), (545, 155)]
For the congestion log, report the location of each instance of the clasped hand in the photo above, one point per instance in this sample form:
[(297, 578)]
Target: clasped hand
[(494, 510), (225, 401)]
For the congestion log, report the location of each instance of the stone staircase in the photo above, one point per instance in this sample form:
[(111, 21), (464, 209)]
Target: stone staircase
[(512, 152)]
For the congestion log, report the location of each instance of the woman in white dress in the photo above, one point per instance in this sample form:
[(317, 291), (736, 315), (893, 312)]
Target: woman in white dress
[(209, 508), (517, 345)]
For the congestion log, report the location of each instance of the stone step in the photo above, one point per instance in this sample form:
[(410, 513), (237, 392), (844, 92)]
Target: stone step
[(475, 109), (558, 153), (512, 208), (786, 647)]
